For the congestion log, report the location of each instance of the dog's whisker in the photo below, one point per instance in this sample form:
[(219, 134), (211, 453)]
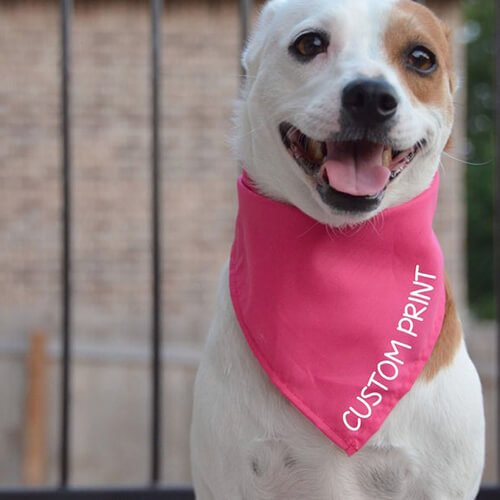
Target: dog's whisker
[(317, 223), (470, 163), (257, 128), (374, 223), (443, 172), (251, 132), (330, 232)]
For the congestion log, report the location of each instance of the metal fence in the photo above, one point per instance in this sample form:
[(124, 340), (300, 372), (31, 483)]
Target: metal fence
[(153, 490), (66, 7)]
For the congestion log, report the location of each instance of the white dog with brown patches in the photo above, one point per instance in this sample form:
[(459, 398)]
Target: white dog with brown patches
[(346, 111)]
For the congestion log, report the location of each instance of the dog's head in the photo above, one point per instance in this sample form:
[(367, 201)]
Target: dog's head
[(347, 105)]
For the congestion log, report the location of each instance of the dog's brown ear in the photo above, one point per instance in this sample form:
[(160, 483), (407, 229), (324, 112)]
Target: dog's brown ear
[(252, 52)]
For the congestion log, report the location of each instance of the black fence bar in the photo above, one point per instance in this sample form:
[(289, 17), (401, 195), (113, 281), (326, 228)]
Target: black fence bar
[(156, 372), (246, 8), (66, 9), (497, 224)]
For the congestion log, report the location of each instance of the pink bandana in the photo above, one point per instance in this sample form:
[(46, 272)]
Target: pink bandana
[(342, 321)]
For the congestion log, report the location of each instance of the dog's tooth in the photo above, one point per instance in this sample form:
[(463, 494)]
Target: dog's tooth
[(386, 156), (315, 150)]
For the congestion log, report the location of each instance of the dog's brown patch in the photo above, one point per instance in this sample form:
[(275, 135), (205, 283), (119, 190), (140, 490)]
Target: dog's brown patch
[(410, 25), (449, 339)]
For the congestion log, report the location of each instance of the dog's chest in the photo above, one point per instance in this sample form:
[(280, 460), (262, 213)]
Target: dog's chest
[(429, 448)]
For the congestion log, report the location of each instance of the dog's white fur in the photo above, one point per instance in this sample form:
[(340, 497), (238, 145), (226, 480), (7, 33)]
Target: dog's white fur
[(248, 442)]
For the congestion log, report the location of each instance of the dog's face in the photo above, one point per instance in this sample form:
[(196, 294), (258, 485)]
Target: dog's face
[(347, 105)]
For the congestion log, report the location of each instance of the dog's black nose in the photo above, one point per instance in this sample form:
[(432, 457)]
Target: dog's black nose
[(369, 102)]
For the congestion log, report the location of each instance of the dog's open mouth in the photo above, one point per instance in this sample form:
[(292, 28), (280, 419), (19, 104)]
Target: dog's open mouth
[(350, 175)]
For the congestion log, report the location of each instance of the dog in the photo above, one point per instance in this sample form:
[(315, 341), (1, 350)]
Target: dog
[(346, 110)]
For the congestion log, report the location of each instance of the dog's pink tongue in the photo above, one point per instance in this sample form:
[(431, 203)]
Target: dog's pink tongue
[(355, 168)]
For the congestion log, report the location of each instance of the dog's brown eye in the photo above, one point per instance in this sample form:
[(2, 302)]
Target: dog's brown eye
[(422, 60), (309, 45)]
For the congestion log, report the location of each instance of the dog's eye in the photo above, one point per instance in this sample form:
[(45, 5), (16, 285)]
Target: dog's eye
[(309, 45), (422, 60)]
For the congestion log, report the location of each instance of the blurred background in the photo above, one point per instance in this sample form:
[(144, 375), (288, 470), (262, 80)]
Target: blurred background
[(111, 223)]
